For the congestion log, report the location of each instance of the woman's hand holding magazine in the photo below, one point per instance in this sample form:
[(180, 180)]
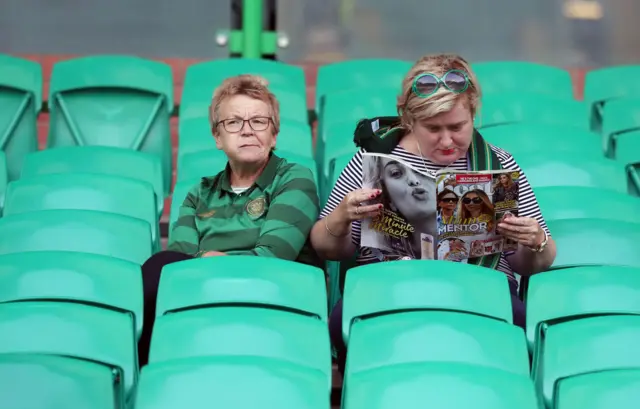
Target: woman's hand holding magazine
[(524, 230), (360, 204)]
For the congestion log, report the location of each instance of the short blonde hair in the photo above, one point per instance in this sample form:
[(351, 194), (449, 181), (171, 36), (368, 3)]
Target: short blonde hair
[(252, 86), (412, 108)]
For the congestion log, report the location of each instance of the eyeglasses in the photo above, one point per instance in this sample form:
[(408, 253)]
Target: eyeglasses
[(475, 200), (257, 123), (449, 200), (427, 84)]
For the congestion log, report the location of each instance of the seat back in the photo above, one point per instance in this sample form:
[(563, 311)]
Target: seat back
[(73, 330), (396, 286), (549, 169), (578, 202), (525, 138), (616, 246), (603, 85), (83, 231), (498, 77), (87, 278), (3, 179), (516, 107), (620, 116), (61, 383), (436, 336), (85, 191), (600, 390), (443, 385), (359, 73), (355, 104), (21, 102), (242, 331), (98, 159), (586, 346), (242, 280), (237, 382), (118, 101)]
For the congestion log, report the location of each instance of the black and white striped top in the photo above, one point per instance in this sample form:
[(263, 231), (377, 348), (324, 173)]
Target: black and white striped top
[(351, 179)]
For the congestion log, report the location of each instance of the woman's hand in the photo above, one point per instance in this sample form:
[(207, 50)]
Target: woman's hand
[(351, 207), (524, 230)]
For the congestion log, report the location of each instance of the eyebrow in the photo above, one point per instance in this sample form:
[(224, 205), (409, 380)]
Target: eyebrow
[(393, 162)]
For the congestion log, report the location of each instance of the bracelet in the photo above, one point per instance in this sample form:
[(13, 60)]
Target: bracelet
[(326, 226)]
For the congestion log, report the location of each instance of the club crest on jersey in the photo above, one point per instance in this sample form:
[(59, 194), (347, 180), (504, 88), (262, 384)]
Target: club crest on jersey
[(257, 207)]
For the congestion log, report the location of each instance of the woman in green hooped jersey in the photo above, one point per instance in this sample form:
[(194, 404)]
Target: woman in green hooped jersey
[(259, 205), (434, 129)]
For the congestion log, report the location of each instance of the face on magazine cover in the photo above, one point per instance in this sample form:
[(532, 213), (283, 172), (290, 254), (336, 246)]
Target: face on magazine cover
[(447, 202), (473, 204), (413, 194)]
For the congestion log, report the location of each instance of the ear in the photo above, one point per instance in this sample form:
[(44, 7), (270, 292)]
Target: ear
[(218, 138), (274, 138)]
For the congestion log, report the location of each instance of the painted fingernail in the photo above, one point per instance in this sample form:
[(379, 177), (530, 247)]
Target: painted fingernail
[(379, 206), (372, 196)]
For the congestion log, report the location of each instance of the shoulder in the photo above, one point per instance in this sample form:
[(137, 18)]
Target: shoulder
[(506, 159), (289, 170)]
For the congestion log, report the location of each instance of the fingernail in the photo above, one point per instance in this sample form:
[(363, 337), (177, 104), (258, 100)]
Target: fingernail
[(372, 196), (379, 206)]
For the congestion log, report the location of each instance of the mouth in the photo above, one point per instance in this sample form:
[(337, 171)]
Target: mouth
[(249, 145), (419, 193), (448, 152)]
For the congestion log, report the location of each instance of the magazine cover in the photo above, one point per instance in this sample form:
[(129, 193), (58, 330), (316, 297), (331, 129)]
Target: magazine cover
[(470, 206), (447, 216)]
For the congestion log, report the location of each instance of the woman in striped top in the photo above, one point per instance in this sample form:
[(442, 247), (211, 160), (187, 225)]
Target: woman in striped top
[(439, 98)]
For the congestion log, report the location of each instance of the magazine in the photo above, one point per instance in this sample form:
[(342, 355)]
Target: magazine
[(450, 215)]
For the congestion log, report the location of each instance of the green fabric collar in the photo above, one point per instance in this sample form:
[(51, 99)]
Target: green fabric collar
[(263, 181)]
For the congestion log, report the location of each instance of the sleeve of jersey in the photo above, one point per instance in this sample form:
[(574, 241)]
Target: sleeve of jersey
[(350, 179), (184, 236)]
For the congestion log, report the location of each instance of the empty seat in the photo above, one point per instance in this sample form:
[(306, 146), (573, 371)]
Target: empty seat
[(497, 77), (339, 142), (440, 385), (600, 390), (359, 73), (98, 159), (579, 202), (353, 105), (243, 331), (77, 230), (85, 191), (211, 162), (603, 85), (231, 382), (74, 277), (617, 242), (585, 346), (3, 179), (119, 101), (516, 107), (556, 169), (21, 101), (620, 117), (73, 330), (55, 382), (436, 336), (242, 280), (525, 138), (395, 286)]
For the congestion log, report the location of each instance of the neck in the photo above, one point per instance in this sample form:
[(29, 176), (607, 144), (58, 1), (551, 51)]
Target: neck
[(409, 143), (447, 213), (245, 174)]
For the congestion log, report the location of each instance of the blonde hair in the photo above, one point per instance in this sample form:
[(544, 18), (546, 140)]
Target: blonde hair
[(252, 86), (412, 108)]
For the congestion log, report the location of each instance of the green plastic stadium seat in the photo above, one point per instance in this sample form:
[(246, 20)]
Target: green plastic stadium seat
[(202, 78), (293, 104), (525, 138), (436, 336), (509, 108), (585, 346), (600, 390), (98, 159), (604, 85), (556, 169), (579, 202), (83, 231), (211, 162), (619, 117), (180, 190), (497, 77), (195, 135), (55, 382), (618, 242), (85, 191), (573, 293), (267, 282), (359, 73), (3, 179), (21, 101), (356, 104), (72, 330), (339, 142), (74, 277), (439, 385), (231, 382), (242, 331), (395, 286), (119, 101)]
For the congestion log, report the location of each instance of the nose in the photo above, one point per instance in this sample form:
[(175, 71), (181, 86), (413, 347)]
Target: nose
[(246, 129), (445, 139), (413, 180)]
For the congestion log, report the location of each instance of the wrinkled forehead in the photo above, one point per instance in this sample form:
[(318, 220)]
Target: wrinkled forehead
[(242, 106)]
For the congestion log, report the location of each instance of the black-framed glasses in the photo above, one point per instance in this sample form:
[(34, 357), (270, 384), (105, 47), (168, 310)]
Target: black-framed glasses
[(257, 123), (449, 200), (469, 200)]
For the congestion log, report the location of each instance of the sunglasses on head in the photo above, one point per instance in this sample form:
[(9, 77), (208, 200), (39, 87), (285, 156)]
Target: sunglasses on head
[(449, 199), (475, 200), (427, 84)]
